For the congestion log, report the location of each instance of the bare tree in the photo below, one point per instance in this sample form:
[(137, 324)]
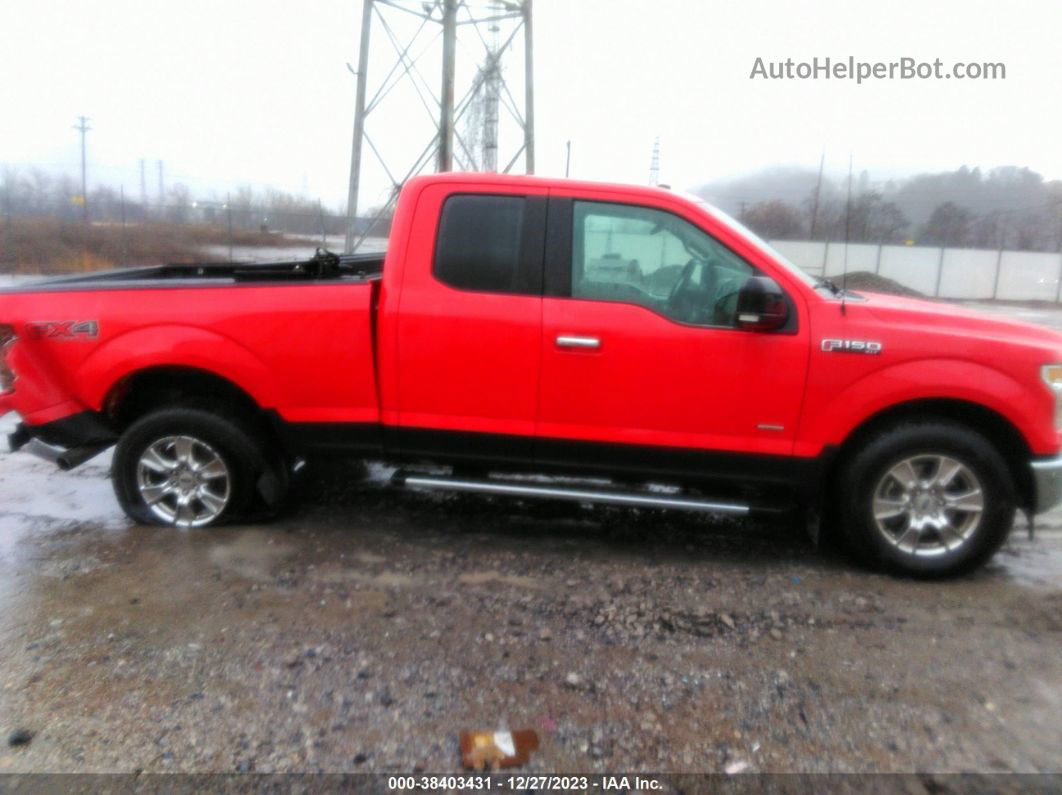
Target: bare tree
[(949, 225), (775, 220)]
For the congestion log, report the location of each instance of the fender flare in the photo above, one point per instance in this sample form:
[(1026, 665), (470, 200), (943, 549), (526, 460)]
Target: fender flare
[(833, 422), (174, 345)]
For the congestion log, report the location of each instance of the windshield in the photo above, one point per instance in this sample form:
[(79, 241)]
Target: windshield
[(757, 241)]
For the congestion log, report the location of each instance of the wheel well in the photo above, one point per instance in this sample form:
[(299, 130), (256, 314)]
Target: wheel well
[(997, 429), (144, 391)]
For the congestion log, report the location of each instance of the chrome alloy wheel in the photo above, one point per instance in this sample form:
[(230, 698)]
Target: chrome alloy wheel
[(183, 481), (928, 505)]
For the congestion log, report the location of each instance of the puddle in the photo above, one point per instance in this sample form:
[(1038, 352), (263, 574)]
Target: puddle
[(1036, 563), (252, 554)]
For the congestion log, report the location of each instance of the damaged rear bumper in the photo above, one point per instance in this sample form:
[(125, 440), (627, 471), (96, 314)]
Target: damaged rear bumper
[(68, 442)]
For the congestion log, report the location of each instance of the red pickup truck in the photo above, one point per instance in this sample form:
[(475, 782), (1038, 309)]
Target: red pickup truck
[(624, 345)]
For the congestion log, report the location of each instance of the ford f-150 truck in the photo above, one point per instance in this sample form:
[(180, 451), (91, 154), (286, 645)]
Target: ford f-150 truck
[(547, 338)]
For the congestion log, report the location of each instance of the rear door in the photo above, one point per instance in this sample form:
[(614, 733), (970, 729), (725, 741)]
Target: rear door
[(643, 367), (470, 324)]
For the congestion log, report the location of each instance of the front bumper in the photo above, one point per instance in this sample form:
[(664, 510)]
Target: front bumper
[(1047, 478)]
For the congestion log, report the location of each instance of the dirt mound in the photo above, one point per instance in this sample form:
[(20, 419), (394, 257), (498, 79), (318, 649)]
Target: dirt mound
[(874, 283)]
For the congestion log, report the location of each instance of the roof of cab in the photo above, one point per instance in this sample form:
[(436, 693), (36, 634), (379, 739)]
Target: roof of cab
[(487, 179)]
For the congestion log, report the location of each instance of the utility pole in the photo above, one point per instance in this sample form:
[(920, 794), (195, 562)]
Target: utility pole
[(228, 220), (125, 240), (143, 187), (815, 201), (446, 103), (7, 217), (568, 159), (82, 127), (162, 187), (654, 164)]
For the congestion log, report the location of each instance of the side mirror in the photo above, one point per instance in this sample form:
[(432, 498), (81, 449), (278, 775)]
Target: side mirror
[(761, 305)]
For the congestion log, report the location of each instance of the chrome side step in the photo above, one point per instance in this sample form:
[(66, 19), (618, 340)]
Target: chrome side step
[(604, 496)]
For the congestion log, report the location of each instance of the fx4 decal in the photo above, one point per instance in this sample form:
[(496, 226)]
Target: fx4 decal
[(851, 346), (63, 330)]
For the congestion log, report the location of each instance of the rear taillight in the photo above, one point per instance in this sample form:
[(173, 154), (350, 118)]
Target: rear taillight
[(7, 375)]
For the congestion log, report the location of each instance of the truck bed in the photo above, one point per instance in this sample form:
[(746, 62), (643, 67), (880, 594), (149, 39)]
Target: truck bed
[(324, 266), (295, 337)]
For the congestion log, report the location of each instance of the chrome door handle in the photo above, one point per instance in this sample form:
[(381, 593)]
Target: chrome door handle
[(571, 341)]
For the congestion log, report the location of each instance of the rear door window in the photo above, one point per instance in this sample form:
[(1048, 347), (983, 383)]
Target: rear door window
[(480, 244)]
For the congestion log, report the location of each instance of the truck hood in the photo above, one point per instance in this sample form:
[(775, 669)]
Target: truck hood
[(900, 310)]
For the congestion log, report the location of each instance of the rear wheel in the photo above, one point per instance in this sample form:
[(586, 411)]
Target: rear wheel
[(928, 499), (187, 467)]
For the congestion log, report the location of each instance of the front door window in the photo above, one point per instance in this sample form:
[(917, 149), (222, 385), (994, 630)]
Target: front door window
[(654, 259)]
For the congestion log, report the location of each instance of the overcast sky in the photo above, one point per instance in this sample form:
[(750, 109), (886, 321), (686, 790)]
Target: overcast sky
[(232, 92)]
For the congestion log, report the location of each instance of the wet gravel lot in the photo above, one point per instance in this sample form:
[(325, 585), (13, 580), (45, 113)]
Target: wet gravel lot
[(365, 628)]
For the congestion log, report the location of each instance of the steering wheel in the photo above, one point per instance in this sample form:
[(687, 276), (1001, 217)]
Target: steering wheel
[(690, 305), (725, 309), (680, 304), (681, 282)]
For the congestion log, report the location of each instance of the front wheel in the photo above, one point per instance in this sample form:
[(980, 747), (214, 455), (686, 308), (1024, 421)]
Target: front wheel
[(186, 467), (926, 499)]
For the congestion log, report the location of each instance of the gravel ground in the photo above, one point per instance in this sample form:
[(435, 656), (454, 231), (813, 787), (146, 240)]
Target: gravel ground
[(367, 627)]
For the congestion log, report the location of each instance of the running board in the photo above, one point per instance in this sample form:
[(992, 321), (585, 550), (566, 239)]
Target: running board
[(638, 499)]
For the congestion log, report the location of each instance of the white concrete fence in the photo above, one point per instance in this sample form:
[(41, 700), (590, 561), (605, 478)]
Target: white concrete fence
[(943, 272)]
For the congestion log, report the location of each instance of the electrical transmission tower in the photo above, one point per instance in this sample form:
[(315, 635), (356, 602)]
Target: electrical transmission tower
[(461, 130), (480, 131)]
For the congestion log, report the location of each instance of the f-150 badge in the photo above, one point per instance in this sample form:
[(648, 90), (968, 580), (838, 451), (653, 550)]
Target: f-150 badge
[(851, 346), (63, 330)]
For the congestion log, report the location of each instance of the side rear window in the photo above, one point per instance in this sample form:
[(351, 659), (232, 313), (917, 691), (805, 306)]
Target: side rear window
[(479, 243)]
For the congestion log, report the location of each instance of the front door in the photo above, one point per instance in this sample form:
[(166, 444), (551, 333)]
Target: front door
[(643, 366)]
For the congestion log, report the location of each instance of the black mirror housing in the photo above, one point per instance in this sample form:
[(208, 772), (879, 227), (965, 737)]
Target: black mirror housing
[(761, 305)]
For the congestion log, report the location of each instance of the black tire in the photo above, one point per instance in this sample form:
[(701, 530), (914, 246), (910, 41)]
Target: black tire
[(246, 460), (864, 472)]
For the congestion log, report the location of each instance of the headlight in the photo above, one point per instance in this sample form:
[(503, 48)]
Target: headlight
[(1052, 375)]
